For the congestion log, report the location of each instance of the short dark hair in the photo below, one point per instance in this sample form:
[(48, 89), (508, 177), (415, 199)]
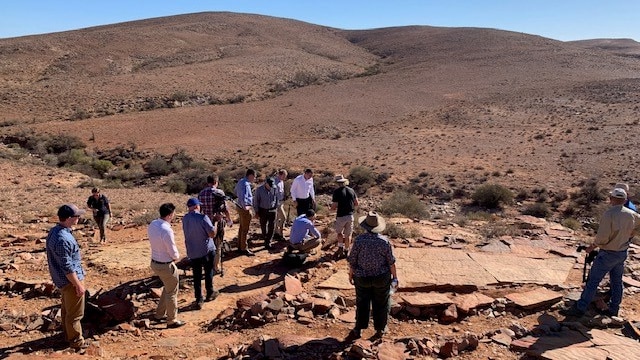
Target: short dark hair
[(95, 190), (308, 171), (310, 213), (166, 209), (212, 179), (250, 172)]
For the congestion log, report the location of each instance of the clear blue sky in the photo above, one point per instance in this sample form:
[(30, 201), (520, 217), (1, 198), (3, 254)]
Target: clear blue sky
[(557, 19)]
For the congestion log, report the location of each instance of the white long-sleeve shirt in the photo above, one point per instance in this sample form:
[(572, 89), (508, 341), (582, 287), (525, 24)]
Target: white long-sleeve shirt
[(302, 188), (163, 244)]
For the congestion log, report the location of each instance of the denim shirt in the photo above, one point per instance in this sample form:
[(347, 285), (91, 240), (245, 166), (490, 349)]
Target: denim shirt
[(63, 256)]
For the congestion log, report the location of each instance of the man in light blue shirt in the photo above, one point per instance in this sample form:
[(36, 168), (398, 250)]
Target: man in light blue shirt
[(304, 235), (198, 239), (244, 206)]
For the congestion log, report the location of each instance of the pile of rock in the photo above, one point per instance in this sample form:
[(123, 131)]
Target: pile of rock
[(257, 310), (12, 321), (27, 288), (299, 347)]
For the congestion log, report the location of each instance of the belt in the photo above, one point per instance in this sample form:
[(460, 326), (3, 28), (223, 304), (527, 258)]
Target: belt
[(161, 262)]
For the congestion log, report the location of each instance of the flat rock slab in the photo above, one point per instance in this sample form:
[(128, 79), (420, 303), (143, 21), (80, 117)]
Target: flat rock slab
[(467, 302), (534, 298), (592, 344), (516, 269), (339, 280), (423, 267), (627, 280), (426, 299)]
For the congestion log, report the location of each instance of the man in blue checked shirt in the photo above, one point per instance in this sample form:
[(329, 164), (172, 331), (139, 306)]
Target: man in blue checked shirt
[(65, 268), (244, 206)]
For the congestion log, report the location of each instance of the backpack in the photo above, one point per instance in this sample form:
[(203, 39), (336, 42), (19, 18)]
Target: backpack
[(294, 260)]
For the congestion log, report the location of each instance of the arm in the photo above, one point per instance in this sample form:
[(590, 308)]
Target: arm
[(210, 227), (314, 232), (247, 198), (604, 232), (294, 189), (170, 243), (77, 284), (107, 204)]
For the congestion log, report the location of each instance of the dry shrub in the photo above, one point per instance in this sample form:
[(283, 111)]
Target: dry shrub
[(492, 196)]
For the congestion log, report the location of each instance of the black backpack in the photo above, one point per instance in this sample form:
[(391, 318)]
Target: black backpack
[(294, 260)]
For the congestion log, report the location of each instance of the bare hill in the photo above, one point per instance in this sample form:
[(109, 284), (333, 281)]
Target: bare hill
[(281, 92)]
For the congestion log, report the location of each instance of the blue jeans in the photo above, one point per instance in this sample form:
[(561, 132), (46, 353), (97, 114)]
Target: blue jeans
[(198, 264), (372, 293), (607, 262)]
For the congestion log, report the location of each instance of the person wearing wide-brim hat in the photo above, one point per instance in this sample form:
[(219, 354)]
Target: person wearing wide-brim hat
[(371, 269)]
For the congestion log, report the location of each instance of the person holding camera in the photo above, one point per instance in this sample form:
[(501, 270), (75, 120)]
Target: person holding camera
[(617, 227)]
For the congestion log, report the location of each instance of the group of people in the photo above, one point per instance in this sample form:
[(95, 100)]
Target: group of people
[(372, 268)]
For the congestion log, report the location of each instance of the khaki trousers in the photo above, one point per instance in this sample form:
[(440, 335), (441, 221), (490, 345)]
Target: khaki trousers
[(168, 305), (72, 313), (243, 228), (281, 217)]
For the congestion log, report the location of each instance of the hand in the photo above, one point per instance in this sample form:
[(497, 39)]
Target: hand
[(80, 290), (590, 248)]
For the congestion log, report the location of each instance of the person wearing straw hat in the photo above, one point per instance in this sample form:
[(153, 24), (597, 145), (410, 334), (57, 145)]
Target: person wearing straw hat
[(372, 268), (617, 226), (344, 202), (628, 204)]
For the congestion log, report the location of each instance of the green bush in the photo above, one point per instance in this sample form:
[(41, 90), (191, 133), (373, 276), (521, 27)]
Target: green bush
[(540, 210), (145, 218), (571, 223), (588, 195), (102, 166), (400, 232), (176, 186), (157, 166), (361, 178), (492, 196), (401, 202)]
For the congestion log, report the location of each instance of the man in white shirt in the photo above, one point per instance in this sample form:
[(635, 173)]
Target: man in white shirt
[(164, 253), (303, 192)]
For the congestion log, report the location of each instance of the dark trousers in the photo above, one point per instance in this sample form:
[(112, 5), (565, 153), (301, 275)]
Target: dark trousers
[(372, 293), (267, 223), (302, 205), (198, 264)]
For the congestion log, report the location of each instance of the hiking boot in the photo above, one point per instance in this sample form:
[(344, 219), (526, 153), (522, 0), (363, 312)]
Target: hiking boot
[(81, 346), (572, 311), (354, 334), (175, 324), (199, 304), (212, 296), (267, 245)]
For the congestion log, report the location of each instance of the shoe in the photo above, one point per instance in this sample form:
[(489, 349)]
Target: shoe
[(608, 313), (80, 347), (267, 245), (354, 334), (212, 296), (572, 311), (175, 324), (199, 304), (156, 320), (247, 252), (341, 254)]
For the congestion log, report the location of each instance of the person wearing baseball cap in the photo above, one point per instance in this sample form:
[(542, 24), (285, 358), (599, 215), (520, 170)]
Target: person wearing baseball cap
[(199, 232), (627, 203), (617, 226), (65, 268)]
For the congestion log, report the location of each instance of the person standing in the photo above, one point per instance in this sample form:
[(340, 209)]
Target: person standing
[(164, 254), (303, 192), (304, 235), (281, 216), (244, 206), (372, 269), (344, 201), (213, 205), (65, 268), (265, 202), (617, 227), (627, 203), (101, 208), (198, 239)]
